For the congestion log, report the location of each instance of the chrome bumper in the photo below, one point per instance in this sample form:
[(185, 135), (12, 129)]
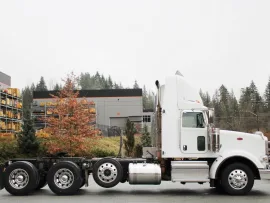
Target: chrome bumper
[(264, 174)]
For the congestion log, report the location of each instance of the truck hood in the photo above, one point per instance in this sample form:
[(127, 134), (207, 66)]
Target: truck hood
[(242, 135), (233, 140)]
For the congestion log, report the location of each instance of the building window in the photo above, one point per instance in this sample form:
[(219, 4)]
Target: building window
[(146, 119)]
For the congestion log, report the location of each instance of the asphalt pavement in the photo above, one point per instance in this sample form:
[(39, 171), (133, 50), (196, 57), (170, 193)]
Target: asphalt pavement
[(166, 192)]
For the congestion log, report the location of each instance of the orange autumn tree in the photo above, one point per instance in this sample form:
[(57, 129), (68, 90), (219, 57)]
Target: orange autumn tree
[(70, 122)]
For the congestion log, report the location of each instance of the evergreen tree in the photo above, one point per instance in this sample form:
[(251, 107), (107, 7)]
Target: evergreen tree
[(98, 82), (27, 96), (217, 107), (116, 86), (27, 142), (224, 101), (41, 86), (234, 112), (145, 138), (129, 142), (85, 81), (136, 86), (205, 98), (33, 87), (245, 99), (103, 82), (110, 83), (57, 87), (121, 86), (256, 100), (148, 99), (267, 96), (145, 99)]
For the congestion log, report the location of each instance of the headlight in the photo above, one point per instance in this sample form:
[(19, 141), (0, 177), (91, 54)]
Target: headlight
[(264, 159)]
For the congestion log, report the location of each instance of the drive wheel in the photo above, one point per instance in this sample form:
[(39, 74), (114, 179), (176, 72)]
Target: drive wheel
[(237, 179), (21, 178), (64, 178), (83, 183), (107, 172)]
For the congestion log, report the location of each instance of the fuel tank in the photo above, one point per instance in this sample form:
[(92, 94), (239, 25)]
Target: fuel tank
[(144, 174)]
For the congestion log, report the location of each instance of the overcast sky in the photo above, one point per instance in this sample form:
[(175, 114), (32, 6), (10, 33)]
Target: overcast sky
[(210, 42)]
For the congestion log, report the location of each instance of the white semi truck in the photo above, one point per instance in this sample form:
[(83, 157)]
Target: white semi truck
[(189, 149)]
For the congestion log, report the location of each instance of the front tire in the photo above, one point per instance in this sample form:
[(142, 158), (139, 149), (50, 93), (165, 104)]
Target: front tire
[(237, 179), (64, 178)]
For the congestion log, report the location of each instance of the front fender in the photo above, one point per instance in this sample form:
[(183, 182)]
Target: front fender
[(230, 154)]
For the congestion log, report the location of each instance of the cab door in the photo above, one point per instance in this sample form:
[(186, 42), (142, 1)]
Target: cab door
[(193, 133)]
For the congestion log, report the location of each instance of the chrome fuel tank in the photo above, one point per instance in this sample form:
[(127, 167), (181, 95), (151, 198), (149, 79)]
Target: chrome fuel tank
[(144, 173)]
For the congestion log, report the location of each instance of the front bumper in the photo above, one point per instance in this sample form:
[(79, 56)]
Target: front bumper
[(1, 177), (264, 174)]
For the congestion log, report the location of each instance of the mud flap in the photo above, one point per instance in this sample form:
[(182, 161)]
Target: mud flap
[(2, 177)]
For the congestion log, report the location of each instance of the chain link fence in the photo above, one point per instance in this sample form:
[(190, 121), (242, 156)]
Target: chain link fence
[(113, 131)]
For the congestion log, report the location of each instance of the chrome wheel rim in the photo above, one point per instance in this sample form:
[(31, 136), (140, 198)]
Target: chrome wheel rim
[(18, 179), (64, 178), (107, 172), (238, 179)]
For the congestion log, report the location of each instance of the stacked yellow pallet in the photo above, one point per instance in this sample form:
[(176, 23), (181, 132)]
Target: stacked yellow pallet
[(10, 111), (2, 125), (15, 92)]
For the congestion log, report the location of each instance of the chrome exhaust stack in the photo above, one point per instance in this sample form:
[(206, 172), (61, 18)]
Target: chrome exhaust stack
[(158, 118)]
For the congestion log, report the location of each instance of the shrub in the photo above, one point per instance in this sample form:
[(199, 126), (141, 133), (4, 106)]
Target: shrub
[(102, 153), (146, 139), (8, 150), (129, 142), (27, 141), (138, 151)]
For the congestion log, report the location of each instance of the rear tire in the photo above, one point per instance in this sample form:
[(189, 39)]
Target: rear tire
[(107, 172), (83, 183), (21, 178), (42, 183), (64, 178), (237, 179)]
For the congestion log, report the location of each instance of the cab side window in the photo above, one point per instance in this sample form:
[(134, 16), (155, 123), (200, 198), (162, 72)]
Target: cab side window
[(193, 120)]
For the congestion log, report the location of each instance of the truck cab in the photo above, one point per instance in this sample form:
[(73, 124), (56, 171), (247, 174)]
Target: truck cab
[(188, 134)]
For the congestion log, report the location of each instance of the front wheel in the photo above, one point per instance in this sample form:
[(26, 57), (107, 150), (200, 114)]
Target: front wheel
[(237, 179)]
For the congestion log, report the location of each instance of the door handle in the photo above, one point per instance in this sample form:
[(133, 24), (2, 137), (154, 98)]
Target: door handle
[(185, 147)]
